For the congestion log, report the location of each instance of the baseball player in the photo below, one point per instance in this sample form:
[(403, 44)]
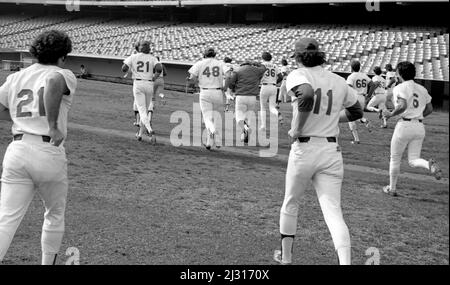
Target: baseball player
[(245, 84), (228, 70), (412, 104), (268, 91), (391, 81), (141, 66), (284, 72), (159, 82), (37, 99), (320, 100), (209, 73), (359, 81), (377, 91)]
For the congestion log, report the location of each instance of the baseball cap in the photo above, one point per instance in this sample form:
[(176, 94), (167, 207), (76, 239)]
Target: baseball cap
[(304, 45)]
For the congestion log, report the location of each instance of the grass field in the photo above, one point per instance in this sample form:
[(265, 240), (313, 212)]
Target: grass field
[(133, 203)]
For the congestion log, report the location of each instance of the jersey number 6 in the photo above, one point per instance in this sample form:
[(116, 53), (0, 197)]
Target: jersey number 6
[(28, 94)]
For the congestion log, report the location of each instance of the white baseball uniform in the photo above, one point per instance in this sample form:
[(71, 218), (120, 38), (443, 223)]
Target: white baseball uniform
[(283, 92), (228, 68), (141, 66), (359, 81), (31, 164), (318, 160), (209, 72), (409, 130), (268, 91), (379, 95), (389, 91)]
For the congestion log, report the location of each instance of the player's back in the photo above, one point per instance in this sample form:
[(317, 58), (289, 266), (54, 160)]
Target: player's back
[(359, 81), (26, 99), (142, 65), (382, 88), (270, 76), (416, 97), (332, 95), (210, 73)]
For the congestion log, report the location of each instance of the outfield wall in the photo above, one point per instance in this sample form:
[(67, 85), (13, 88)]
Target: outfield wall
[(108, 68)]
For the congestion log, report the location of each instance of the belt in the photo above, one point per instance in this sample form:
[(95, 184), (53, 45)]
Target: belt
[(19, 137), (138, 79), (210, 88), (269, 84), (408, 120), (306, 139)]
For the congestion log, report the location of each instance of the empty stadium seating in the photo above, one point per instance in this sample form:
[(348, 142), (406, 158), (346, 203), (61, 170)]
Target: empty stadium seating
[(427, 48)]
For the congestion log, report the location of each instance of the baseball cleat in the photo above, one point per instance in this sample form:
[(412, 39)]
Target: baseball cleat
[(435, 170), (356, 142), (280, 119), (366, 123), (138, 136), (136, 124), (387, 190), (277, 257)]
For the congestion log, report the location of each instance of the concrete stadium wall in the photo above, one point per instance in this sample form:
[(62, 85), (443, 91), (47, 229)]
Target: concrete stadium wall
[(108, 68)]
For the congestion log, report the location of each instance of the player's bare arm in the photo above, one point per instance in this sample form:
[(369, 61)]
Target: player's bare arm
[(56, 89), (352, 113), (4, 113), (400, 108)]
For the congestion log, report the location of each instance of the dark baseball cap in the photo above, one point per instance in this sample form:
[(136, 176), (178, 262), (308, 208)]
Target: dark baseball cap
[(304, 45), (209, 51)]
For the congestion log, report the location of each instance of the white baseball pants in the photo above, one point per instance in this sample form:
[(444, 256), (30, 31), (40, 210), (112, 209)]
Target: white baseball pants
[(320, 162), (406, 134), (211, 105), (267, 93), (378, 100), (29, 166), (244, 104), (143, 94)]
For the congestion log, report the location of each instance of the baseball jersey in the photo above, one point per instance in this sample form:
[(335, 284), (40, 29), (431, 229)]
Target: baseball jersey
[(359, 81), (270, 76), (141, 65), (389, 76), (23, 95), (331, 96), (382, 88), (209, 72), (416, 97), (284, 69), (228, 68)]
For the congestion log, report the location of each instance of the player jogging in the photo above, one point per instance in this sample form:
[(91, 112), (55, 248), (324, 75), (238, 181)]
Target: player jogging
[(158, 88), (377, 90), (209, 73), (228, 70), (320, 100), (268, 90), (412, 104), (391, 81), (141, 65), (360, 82), (284, 69), (245, 84), (37, 99)]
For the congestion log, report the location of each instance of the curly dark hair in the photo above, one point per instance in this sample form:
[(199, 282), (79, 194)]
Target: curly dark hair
[(311, 58), (406, 70), (49, 46)]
